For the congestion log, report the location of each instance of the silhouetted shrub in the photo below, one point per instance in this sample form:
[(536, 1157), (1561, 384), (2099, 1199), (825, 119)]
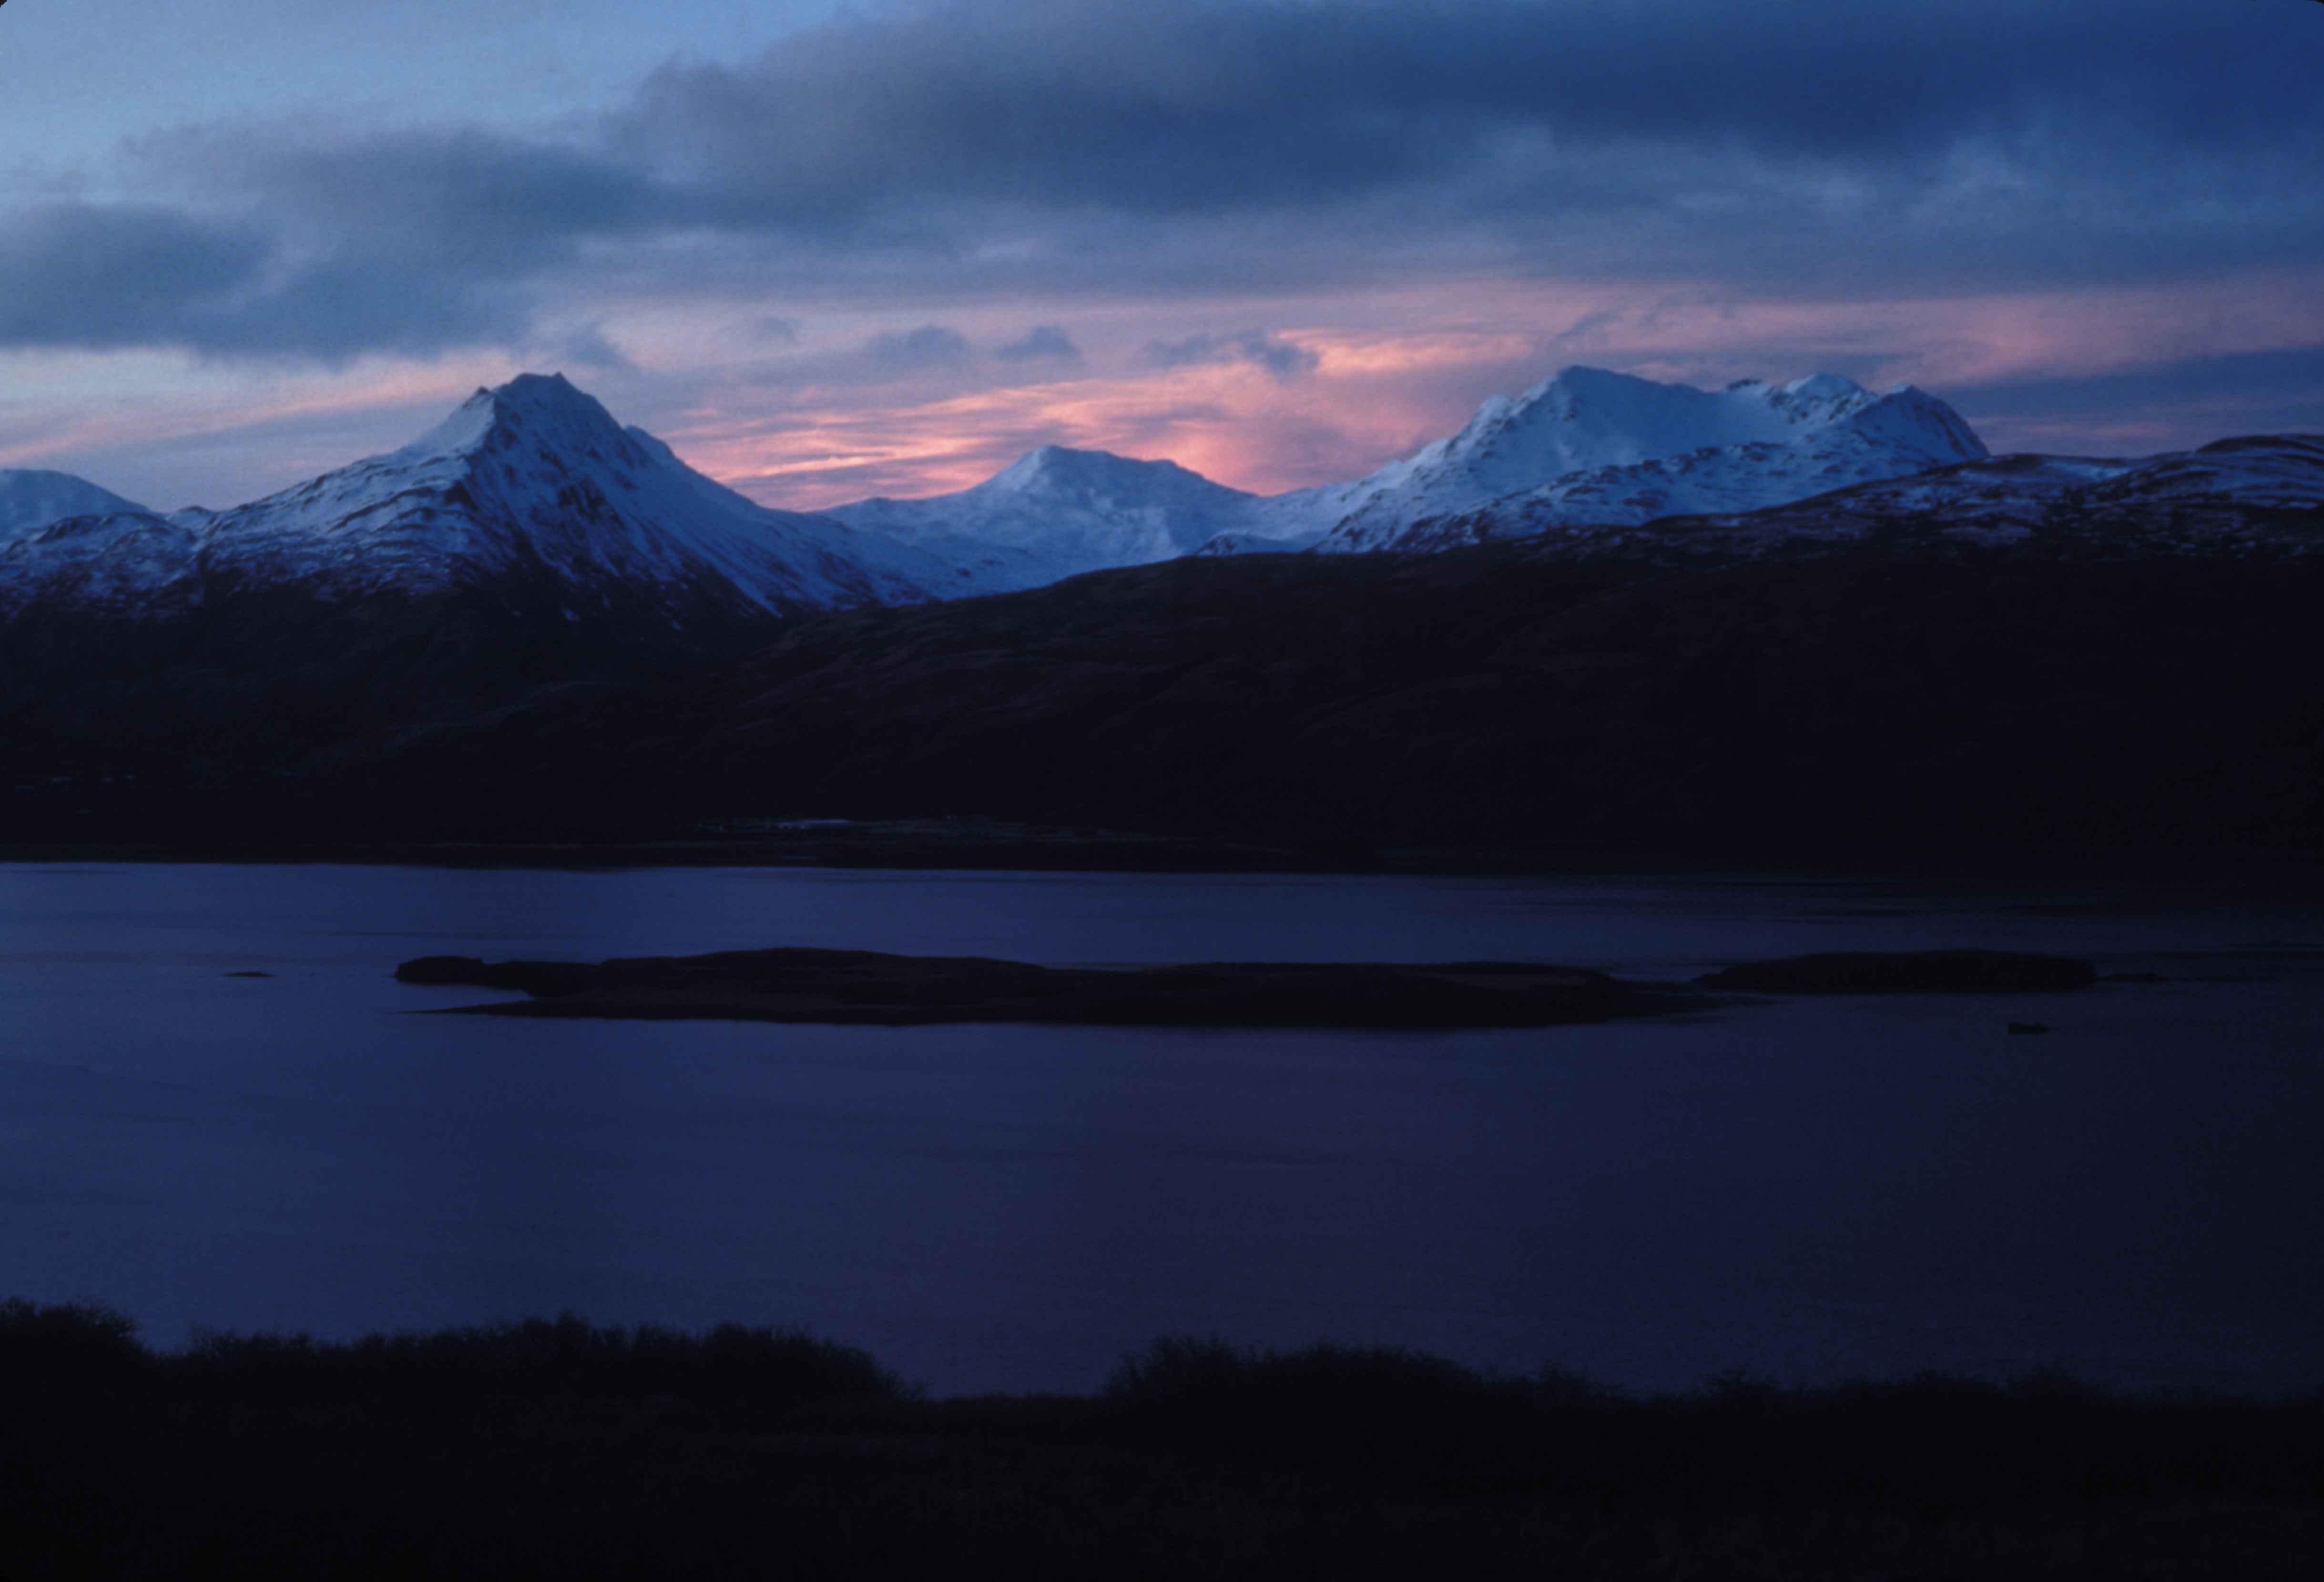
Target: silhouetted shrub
[(555, 1448), (733, 1369), (1335, 1405), (65, 1350)]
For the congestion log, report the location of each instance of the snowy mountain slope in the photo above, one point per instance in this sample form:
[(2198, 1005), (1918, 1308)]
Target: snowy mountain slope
[(127, 562), (531, 483), (31, 499), (2231, 494), (1590, 446), (2282, 472), (1226, 544), (1055, 513), (537, 476)]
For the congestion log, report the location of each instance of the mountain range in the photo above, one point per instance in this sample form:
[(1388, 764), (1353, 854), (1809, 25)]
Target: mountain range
[(534, 605), (1583, 446), (534, 492)]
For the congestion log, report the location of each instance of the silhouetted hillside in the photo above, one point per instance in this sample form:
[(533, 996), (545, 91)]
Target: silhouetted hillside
[(1882, 699), (562, 1450), (1867, 700)]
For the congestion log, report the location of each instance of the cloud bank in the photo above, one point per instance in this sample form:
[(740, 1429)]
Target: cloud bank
[(970, 151)]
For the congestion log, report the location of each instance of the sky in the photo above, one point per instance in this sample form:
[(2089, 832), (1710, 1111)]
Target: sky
[(836, 250)]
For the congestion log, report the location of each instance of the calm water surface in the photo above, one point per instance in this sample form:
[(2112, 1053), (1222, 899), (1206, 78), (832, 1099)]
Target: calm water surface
[(1808, 1190)]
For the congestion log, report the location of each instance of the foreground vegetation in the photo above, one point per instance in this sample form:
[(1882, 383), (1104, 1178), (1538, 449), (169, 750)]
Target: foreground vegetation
[(555, 1448)]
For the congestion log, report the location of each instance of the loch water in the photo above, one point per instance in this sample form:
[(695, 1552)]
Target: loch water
[(1805, 1189)]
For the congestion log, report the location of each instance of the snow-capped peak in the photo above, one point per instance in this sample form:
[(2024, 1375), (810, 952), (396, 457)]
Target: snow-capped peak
[(1055, 512), (1589, 444), (1592, 417), (1099, 477), (1056, 469), (546, 409)]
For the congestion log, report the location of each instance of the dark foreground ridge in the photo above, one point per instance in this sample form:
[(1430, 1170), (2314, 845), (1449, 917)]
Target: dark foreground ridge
[(868, 987), (1906, 701), (558, 1449)]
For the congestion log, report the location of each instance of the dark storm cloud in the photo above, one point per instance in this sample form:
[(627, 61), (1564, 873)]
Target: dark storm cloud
[(413, 243), (1808, 146), (75, 275), (915, 351), (1044, 343), (931, 352), (83, 276), (1205, 106), (1280, 358)]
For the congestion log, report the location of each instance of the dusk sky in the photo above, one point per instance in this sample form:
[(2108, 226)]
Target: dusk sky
[(835, 251)]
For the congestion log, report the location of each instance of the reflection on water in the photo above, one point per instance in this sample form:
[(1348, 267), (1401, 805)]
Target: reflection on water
[(1808, 1190)]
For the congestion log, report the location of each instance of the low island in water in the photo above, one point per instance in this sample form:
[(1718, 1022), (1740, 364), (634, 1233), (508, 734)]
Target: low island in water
[(876, 988)]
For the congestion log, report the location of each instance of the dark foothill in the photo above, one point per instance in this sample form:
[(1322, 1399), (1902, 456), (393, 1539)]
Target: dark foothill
[(1904, 972), (2017, 1027), (250, 974)]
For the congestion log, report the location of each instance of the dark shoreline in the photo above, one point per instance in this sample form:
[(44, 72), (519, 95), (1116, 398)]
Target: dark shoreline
[(558, 1449), (978, 845)]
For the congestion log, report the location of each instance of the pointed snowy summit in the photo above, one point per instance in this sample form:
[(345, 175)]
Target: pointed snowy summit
[(530, 485), (536, 475)]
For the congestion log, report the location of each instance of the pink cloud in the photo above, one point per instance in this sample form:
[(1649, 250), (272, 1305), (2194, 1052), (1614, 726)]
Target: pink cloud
[(1393, 369)]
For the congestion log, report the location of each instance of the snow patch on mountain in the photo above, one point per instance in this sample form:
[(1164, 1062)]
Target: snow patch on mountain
[(2262, 489), (128, 561)]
